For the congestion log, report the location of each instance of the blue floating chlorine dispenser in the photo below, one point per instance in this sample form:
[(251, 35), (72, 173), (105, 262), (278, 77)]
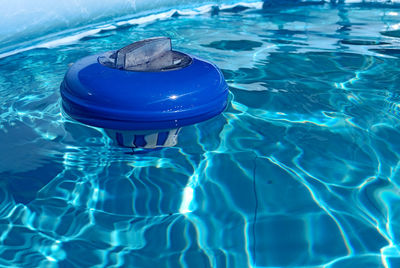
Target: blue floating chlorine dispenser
[(144, 93)]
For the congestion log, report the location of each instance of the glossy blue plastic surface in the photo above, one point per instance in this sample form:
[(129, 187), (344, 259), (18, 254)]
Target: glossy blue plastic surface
[(118, 99)]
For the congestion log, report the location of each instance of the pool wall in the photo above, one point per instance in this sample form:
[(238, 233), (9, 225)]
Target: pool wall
[(23, 22)]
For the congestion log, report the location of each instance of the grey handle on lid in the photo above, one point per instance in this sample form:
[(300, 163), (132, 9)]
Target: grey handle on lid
[(148, 55), (145, 52)]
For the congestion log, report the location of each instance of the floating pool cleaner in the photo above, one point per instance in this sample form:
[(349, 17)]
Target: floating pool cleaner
[(144, 93)]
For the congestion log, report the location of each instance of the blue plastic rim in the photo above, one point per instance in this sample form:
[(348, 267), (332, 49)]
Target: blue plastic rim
[(110, 98)]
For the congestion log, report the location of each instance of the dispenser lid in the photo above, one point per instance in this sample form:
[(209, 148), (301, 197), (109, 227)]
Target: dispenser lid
[(149, 55), (143, 86)]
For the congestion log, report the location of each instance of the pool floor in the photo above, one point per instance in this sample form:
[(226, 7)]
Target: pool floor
[(300, 170)]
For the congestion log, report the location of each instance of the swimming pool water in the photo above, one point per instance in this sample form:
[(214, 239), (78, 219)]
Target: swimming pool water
[(302, 168)]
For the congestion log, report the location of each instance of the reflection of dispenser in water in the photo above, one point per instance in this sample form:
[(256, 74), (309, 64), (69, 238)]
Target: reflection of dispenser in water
[(144, 93)]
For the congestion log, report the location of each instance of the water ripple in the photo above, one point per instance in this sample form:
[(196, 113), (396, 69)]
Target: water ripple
[(301, 169)]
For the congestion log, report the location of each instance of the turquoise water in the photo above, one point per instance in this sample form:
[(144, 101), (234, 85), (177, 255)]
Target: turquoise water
[(301, 170)]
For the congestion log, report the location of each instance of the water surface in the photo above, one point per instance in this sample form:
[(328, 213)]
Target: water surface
[(302, 168)]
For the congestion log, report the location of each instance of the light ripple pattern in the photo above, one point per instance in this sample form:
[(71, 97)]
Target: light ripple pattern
[(300, 170)]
